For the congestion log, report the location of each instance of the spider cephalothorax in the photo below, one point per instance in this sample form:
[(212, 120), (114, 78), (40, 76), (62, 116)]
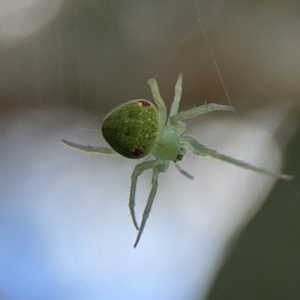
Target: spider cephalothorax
[(138, 129)]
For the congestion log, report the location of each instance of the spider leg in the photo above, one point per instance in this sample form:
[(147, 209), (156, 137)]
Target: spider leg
[(138, 170), (197, 148), (176, 120), (162, 110), (89, 149), (156, 170), (177, 97), (200, 110), (185, 173)]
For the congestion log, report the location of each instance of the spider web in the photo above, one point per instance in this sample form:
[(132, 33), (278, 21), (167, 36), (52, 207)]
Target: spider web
[(72, 208)]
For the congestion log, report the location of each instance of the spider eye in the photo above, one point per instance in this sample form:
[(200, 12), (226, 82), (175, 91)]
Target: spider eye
[(180, 155), (131, 129)]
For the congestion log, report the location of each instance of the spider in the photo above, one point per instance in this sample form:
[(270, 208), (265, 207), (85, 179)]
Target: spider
[(138, 129)]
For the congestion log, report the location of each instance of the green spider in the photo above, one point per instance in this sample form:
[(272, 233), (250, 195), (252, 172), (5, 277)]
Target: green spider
[(137, 129)]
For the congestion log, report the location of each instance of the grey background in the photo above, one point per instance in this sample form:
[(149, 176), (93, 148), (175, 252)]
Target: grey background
[(65, 64)]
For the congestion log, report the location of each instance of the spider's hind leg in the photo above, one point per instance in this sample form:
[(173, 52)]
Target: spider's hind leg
[(158, 168), (138, 170), (90, 149)]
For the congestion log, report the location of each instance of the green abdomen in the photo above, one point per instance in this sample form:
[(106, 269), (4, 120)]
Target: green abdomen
[(132, 128)]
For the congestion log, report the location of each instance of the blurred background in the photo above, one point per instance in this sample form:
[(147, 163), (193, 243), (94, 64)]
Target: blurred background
[(65, 228)]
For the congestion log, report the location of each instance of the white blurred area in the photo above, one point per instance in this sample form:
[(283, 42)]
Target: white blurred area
[(65, 228), (21, 19)]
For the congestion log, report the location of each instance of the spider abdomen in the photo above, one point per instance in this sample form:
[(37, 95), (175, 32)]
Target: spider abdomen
[(132, 128)]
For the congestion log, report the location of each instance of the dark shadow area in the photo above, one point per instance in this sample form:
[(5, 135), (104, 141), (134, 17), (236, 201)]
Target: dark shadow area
[(265, 263)]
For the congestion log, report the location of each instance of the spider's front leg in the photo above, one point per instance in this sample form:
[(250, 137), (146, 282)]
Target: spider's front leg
[(138, 170), (158, 168), (183, 172), (197, 148), (200, 110), (176, 120)]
